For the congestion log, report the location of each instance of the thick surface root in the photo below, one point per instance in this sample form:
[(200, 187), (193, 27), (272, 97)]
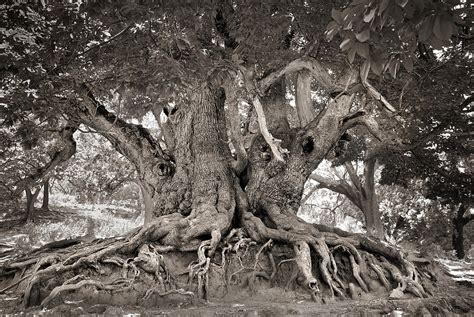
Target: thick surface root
[(368, 260), (68, 286), (328, 265)]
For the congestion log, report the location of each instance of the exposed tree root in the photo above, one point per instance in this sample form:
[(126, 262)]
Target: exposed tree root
[(173, 291), (143, 253), (378, 270), (200, 270), (67, 286), (306, 238), (303, 260)]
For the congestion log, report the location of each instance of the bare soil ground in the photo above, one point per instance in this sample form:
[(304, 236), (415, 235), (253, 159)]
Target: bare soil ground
[(445, 305)]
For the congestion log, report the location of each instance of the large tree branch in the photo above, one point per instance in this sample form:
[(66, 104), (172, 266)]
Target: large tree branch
[(236, 137), (340, 187), (254, 94), (304, 107), (319, 73), (322, 77), (274, 143), (353, 176), (131, 140)]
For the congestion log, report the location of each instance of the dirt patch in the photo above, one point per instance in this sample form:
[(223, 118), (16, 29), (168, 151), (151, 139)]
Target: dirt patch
[(437, 306)]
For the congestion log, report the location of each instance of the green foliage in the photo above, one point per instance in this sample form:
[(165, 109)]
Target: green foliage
[(152, 53), (439, 113), (410, 217), (387, 34)]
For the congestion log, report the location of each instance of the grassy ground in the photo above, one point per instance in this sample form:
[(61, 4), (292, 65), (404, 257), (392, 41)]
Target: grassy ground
[(65, 222)]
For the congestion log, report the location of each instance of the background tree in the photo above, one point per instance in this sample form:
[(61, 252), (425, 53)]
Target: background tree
[(358, 184), (443, 125), (30, 158)]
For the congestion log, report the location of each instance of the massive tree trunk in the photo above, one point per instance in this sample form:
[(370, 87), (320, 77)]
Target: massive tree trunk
[(202, 202)]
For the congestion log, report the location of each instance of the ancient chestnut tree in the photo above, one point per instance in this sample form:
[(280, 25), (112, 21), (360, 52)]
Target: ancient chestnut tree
[(215, 75)]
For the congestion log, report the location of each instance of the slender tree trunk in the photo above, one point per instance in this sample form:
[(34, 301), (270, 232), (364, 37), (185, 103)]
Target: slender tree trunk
[(373, 220), (45, 204), (361, 193), (30, 203), (370, 203), (458, 231)]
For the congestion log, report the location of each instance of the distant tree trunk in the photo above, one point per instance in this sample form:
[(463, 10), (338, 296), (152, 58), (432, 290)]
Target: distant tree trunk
[(67, 148), (45, 204), (30, 203), (459, 221)]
